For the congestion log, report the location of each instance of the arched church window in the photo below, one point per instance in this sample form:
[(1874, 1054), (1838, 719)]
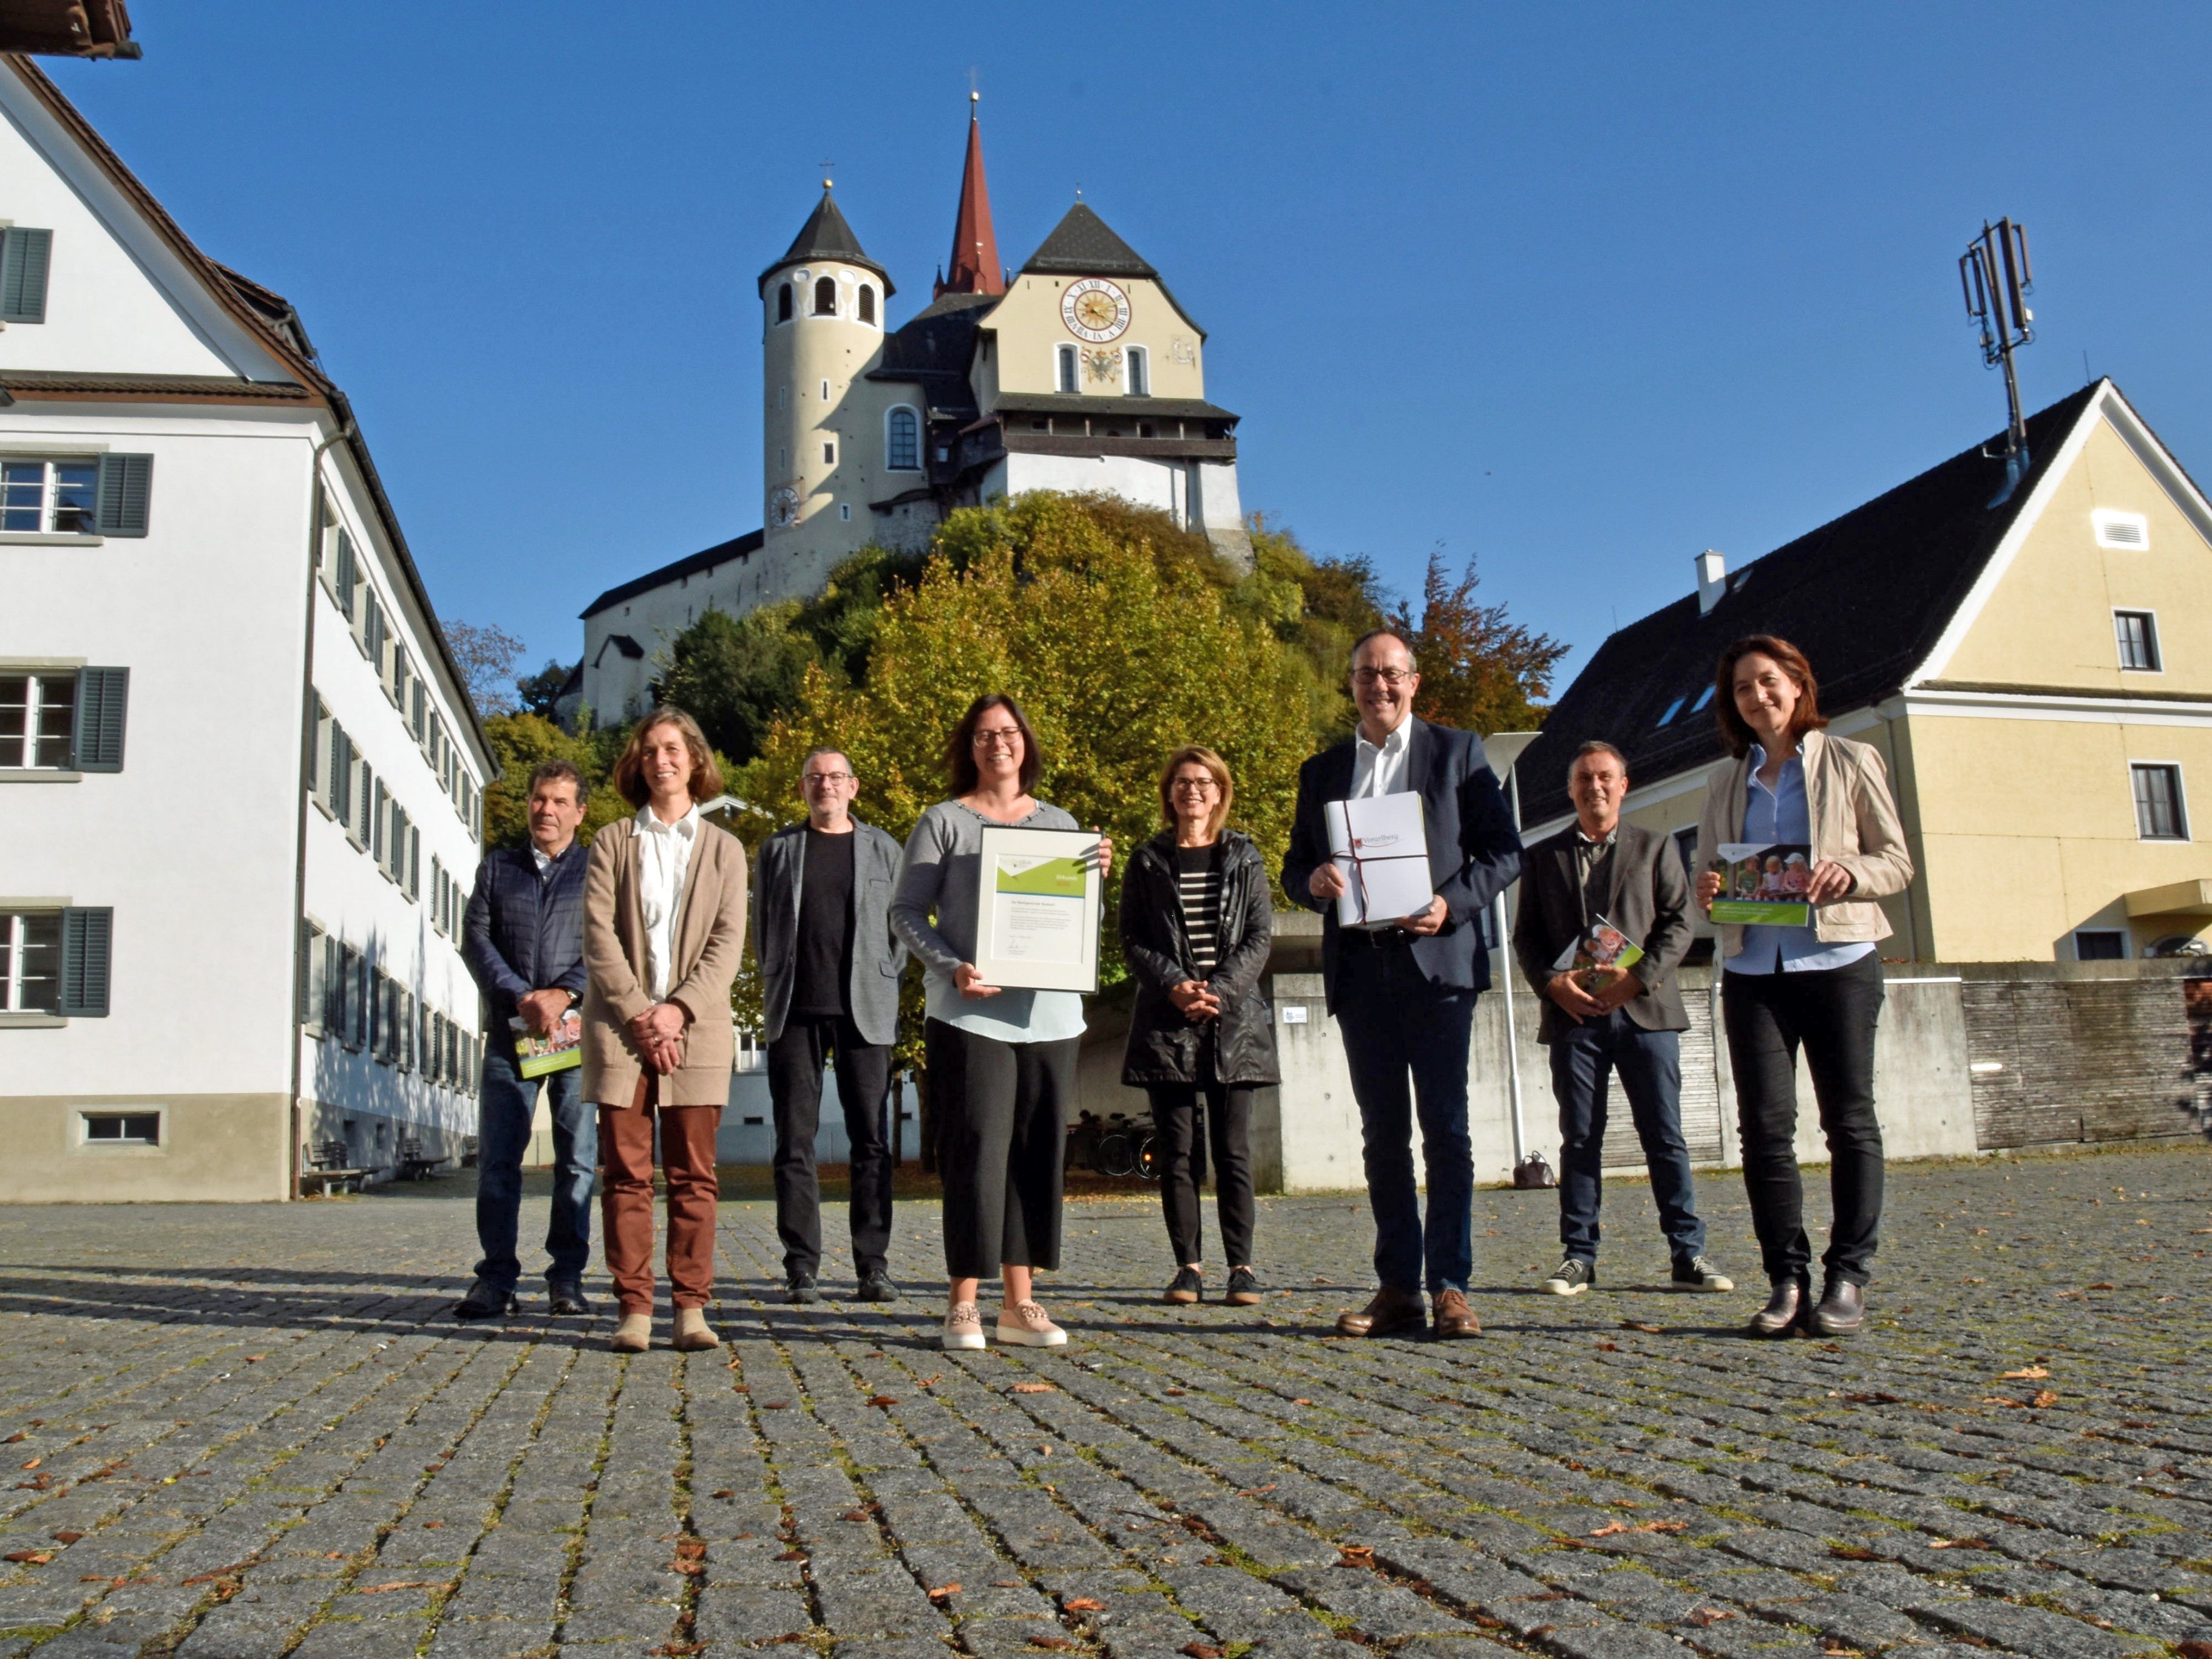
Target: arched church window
[(902, 440), (867, 303), (1068, 380), (825, 296), (783, 302)]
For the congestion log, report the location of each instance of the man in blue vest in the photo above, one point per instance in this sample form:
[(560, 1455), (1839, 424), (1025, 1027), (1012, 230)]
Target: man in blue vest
[(523, 939), (1404, 995)]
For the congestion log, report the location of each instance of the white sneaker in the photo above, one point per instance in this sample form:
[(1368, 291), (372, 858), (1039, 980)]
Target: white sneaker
[(964, 1328), (1029, 1328)]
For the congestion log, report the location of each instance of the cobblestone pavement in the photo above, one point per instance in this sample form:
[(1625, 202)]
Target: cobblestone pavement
[(254, 1432)]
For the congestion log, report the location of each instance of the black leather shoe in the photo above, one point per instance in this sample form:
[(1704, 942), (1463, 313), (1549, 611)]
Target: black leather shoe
[(485, 1300), (1842, 1310), (567, 1298), (876, 1287), (801, 1290), (1783, 1309)]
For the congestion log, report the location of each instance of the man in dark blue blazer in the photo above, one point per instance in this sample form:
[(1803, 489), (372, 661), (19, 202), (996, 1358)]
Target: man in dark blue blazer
[(522, 937), (1404, 995)]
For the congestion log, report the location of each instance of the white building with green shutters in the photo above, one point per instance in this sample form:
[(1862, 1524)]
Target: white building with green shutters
[(240, 785)]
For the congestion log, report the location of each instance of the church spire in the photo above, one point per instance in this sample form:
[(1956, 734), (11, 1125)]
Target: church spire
[(974, 265)]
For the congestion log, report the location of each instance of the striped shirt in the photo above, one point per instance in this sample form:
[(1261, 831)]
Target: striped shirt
[(1197, 884)]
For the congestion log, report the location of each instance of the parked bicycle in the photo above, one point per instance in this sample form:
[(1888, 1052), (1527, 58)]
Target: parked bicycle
[(1115, 1145)]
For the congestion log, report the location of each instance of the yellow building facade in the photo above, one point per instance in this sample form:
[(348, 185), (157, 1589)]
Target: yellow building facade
[(2047, 722)]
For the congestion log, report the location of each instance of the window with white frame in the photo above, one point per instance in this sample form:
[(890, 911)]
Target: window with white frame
[(1140, 363), (57, 496), (38, 718), (1071, 375), (2136, 633), (828, 452), (120, 1128), (825, 296), (902, 440), (2160, 813), (867, 308), (30, 961)]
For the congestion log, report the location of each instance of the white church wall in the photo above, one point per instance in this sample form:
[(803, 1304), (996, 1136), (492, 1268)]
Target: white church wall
[(1137, 479)]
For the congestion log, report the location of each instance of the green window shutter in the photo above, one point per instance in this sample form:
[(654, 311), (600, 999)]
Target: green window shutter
[(23, 258), (101, 695), (86, 934), (345, 578), (126, 488), (414, 863)]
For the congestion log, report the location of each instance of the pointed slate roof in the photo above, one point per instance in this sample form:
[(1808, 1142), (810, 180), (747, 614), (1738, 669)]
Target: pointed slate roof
[(1866, 597), (1081, 244), (825, 235), (974, 265)]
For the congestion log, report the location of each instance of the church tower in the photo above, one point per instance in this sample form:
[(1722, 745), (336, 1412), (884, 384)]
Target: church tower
[(822, 320)]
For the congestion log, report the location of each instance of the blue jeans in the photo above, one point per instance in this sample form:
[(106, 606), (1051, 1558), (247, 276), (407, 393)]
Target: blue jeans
[(1649, 1064), (502, 1136), (1399, 1030)]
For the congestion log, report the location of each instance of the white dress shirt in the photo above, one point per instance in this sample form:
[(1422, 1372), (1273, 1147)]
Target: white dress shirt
[(1380, 769), (664, 854)]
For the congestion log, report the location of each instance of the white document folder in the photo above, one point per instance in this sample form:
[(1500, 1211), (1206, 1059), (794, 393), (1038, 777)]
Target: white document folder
[(1381, 844)]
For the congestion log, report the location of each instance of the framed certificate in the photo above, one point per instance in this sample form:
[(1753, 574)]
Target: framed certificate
[(1037, 909)]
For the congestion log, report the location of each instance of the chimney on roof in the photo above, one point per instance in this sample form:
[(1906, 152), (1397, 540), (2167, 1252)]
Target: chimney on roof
[(1712, 579)]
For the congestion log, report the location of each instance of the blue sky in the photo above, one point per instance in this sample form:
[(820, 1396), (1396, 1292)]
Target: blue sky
[(1577, 289)]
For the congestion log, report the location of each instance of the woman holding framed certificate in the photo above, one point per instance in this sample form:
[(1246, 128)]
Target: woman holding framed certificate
[(994, 878)]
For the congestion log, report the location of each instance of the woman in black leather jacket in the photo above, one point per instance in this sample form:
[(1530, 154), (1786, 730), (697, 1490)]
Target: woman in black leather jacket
[(1197, 920)]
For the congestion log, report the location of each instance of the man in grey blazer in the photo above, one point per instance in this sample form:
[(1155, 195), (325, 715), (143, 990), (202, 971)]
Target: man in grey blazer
[(1599, 870), (829, 973)]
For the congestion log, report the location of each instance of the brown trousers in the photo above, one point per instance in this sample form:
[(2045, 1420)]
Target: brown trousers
[(687, 1158)]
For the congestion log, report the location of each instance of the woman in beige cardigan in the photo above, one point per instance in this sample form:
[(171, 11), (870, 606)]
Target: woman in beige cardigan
[(1817, 986), (664, 923)]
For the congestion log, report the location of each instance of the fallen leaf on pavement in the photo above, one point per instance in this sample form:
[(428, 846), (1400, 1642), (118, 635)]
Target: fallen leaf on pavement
[(882, 1401), (1608, 1529), (67, 1537), (1036, 1387), (1704, 1616), (1084, 1604), (2046, 1398), (1357, 1554), (1637, 1325), (33, 1557), (398, 1584), (944, 1590), (1199, 1650), (726, 1492), (1958, 1544), (2027, 1374)]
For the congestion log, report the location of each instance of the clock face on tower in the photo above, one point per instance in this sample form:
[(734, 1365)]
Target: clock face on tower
[(1095, 310), (783, 507)]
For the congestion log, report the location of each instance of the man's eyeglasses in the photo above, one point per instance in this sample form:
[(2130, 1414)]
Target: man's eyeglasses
[(1004, 738), (827, 777), (1393, 678)]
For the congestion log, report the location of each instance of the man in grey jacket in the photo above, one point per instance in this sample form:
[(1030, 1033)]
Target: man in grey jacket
[(1599, 873), (829, 972)]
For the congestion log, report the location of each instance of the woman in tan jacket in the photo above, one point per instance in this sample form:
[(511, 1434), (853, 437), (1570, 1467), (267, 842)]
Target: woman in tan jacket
[(664, 923), (1817, 986)]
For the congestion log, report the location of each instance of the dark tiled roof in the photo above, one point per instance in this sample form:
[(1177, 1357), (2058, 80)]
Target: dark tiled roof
[(1865, 597), (221, 388), (1072, 403), (825, 235), (1081, 246), (933, 349), (706, 559)]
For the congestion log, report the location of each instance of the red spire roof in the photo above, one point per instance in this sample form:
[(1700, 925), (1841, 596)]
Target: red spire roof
[(974, 265)]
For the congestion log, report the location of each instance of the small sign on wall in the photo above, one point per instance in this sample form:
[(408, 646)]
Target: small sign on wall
[(1294, 1014)]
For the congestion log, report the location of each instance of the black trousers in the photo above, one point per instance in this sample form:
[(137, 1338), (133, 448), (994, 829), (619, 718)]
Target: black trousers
[(1832, 1013), (1175, 1108), (1002, 1146), (794, 1084)]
